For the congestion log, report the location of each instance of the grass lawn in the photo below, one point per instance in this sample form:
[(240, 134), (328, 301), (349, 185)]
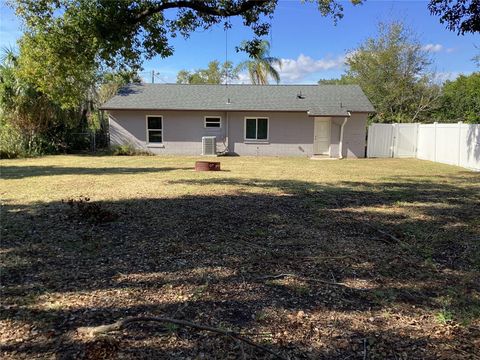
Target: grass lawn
[(382, 258)]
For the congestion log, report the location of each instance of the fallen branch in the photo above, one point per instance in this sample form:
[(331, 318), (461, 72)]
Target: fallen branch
[(390, 236), (121, 324), (280, 276)]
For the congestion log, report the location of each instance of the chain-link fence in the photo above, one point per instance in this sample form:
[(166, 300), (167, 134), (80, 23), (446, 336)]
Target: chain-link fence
[(88, 141)]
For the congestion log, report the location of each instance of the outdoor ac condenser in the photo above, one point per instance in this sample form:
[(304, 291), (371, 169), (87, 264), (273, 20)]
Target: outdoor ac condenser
[(209, 145)]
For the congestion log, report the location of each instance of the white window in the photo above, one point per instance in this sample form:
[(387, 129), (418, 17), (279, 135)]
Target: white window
[(256, 128), (154, 129), (213, 121)]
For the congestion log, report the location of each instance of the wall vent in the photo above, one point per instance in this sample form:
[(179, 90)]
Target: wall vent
[(209, 145)]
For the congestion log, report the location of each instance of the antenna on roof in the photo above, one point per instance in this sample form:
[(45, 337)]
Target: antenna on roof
[(226, 26)]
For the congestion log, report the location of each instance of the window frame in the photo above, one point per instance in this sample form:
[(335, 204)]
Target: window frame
[(256, 129), (147, 140), (212, 127)]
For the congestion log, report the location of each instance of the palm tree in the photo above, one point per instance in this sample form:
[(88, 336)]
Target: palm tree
[(261, 65)]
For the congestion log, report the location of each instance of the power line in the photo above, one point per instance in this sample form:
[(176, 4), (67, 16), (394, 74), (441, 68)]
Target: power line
[(152, 75)]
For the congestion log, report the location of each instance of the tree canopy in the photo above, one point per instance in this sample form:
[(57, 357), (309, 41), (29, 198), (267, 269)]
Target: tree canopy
[(213, 74), (462, 16), (67, 41), (460, 100), (343, 80), (261, 65), (394, 72)]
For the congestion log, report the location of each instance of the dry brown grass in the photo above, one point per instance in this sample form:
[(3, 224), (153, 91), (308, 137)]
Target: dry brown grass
[(196, 245)]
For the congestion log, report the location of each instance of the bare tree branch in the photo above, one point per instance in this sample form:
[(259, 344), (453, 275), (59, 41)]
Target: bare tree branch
[(201, 7), (121, 324)]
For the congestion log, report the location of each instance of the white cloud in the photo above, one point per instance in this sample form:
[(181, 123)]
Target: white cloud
[(243, 78), (299, 70), (433, 47), (296, 70), (449, 75)]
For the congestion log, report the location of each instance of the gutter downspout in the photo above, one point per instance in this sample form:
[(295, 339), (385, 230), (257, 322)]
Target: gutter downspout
[(227, 138), (340, 144)]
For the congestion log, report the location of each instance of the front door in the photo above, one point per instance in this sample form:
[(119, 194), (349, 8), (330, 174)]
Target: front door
[(321, 142)]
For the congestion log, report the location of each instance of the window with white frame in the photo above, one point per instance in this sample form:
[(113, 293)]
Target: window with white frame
[(213, 121), (256, 128), (154, 129)]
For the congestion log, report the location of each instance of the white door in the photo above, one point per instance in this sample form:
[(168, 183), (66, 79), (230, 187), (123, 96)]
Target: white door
[(321, 141)]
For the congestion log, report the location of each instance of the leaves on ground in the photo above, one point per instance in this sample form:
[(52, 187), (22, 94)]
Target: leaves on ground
[(199, 246)]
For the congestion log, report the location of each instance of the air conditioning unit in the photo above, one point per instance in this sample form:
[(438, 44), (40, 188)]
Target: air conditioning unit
[(209, 145)]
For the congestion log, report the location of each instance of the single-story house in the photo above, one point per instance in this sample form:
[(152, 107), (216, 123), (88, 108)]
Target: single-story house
[(286, 120)]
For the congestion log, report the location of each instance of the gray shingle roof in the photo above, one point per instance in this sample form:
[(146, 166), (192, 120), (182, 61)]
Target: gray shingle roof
[(314, 99)]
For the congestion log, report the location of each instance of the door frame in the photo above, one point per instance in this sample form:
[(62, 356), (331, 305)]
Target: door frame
[(329, 120)]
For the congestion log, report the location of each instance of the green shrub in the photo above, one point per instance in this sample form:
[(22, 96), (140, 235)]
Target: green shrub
[(12, 144), (128, 150)]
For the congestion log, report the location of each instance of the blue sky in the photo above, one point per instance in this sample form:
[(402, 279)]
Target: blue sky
[(310, 46)]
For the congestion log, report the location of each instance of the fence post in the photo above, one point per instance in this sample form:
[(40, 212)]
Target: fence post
[(416, 141), (459, 138), (435, 141), (394, 140)]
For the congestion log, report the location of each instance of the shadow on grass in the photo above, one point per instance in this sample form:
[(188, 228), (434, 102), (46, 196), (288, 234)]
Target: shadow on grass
[(202, 258), (21, 172)]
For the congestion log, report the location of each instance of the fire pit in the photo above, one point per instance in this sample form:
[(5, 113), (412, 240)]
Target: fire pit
[(207, 166)]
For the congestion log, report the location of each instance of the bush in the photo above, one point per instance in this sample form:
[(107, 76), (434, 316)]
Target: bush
[(85, 210), (12, 144), (128, 150)]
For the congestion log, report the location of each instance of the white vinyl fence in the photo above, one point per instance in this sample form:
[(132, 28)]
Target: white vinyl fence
[(454, 144)]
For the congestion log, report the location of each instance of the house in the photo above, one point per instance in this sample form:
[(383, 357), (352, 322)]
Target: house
[(275, 120)]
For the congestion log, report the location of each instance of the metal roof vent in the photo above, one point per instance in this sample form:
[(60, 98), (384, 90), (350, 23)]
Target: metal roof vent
[(300, 96)]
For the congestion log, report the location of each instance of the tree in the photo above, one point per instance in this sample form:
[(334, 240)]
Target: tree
[(30, 122), (460, 100), (64, 80), (214, 74), (68, 40), (110, 82), (462, 16), (394, 72), (344, 80), (260, 67)]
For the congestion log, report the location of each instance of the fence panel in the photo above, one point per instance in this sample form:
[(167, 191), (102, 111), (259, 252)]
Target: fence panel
[(426, 142), (454, 144), (405, 140), (469, 156), (380, 140), (447, 143)]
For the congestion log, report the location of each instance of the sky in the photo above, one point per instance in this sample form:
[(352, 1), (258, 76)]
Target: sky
[(311, 46)]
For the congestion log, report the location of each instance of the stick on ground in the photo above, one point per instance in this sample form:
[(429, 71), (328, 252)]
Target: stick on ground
[(280, 276), (390, 236), (121, 324)]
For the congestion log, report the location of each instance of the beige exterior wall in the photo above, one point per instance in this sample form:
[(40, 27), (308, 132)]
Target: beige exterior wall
[(290, 133), (354, 136), (182, 130)]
